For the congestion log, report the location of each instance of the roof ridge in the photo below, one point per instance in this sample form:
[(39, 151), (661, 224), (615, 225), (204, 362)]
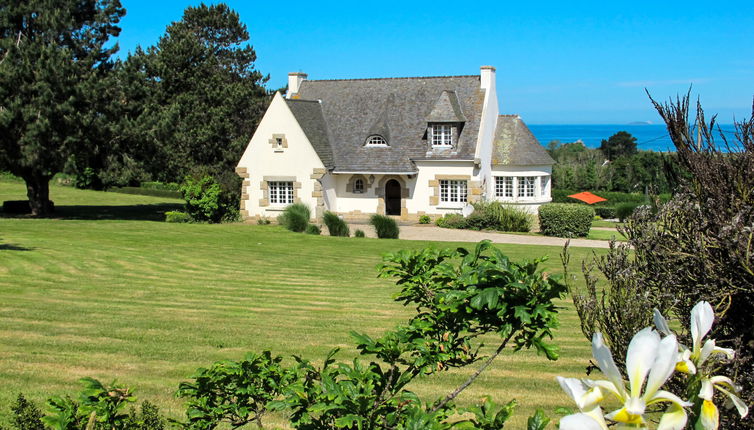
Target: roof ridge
[(400, 77)]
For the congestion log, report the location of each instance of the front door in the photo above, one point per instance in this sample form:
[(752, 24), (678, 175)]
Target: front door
[(392, 197)]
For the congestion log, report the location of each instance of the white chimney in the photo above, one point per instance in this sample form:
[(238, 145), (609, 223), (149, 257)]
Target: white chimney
[(294, 83), (487, 75)]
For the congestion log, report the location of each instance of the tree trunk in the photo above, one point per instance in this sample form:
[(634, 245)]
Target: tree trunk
[(38, 191)]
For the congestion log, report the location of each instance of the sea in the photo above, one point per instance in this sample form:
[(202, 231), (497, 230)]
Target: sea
[(649, 137)]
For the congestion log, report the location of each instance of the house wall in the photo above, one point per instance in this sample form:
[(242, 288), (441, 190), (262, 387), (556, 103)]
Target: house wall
[(530, 204), (296, 161), (426, 194)]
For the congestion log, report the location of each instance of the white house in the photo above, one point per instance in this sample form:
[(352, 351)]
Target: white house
[(396, 146)]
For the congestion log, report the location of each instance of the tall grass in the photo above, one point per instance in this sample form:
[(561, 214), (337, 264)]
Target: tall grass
[(385, 227), (295, 217), (335, 224)]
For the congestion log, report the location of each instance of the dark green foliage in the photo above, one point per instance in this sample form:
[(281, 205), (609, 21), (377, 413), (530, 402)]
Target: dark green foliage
[(147, 192), (605, 212), (625, 210), (26, 415), (295, 217), (170, 186), (565, 220), (195, 97), (359, 233), (618, 145), (385, 227), (497, 216), (335, 225), (177, 216), (313, 229), (451, 221), (538, 421), (202, 197), (53, 71), (99, 407), (425, 219), (263, 221), (234, 392), (489, 415), (63, 414)]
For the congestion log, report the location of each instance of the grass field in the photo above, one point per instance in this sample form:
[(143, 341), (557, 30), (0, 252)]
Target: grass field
[(105, 291)]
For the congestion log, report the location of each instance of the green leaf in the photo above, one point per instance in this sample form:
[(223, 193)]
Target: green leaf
[(538, 421)]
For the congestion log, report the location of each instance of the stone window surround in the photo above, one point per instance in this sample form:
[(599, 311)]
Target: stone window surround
[(353, 178), (263, 187), (473, 188), (454, 135), (274, 142), (380, 193)]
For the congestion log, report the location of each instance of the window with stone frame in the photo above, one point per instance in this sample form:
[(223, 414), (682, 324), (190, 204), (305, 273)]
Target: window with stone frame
[(280, 192), (526, 186), (452, 191), (504, 186), (441, 135), (358, 186)]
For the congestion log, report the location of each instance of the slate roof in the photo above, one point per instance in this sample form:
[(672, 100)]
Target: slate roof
[(447, 109), (396, 108), (515, 144), (308, 113)]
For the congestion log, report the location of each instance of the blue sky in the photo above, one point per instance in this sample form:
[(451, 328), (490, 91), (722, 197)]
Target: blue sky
[(557, 62)]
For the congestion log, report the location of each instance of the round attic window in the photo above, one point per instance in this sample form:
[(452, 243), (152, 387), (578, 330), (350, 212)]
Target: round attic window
[(376, 140)]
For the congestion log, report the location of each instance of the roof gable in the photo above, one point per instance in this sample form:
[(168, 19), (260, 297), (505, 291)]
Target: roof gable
[(515, 144), (400, 107), (309, 116), (447, 109)]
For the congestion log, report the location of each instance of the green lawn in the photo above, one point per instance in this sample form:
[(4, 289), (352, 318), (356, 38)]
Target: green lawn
[(105, 292)]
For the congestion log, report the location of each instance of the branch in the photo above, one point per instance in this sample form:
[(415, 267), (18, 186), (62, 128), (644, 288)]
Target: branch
[(18, 42), (471, 379)]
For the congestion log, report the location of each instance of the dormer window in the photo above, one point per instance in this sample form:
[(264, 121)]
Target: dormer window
[(442, 135), (376, 140)]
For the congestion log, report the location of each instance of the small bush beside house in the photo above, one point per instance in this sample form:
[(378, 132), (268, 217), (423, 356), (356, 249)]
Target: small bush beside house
[(335, 225), (313, 229), (295, 217), (565, 219), (451, 221), (385, 227), (359, 233), (625, 210), (425, 219), (497, 216)]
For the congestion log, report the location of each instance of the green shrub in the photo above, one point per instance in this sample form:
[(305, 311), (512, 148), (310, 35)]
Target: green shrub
[(26, 415), (425, 219), (625, 210), (202, 197), (565, 219), (359, 233), (385, 227), (451, 221), (295, 217), (335, 224), (606, 212), (169, 186), (263, 220), (147, 192), (497, 216), (313, 229), (177, 216)]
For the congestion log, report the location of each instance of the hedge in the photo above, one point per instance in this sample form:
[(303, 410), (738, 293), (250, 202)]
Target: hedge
[(565, 219), (335, 225), (613, 197), (177, 216), (385, 227)]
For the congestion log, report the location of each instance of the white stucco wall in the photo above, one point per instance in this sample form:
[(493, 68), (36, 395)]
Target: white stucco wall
[(490, 112), (531, 204), (428, 170), (261, 160)]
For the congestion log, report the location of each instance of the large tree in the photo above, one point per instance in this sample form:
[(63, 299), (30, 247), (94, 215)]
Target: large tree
[(618, 145), (53, 57), (205, 96)]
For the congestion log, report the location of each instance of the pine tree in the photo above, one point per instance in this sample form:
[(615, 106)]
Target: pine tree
[(53, 56)]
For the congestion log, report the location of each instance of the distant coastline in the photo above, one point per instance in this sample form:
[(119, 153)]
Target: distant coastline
[(649, 137)]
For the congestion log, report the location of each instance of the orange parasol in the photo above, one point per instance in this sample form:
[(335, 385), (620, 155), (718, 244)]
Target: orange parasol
[(588, 197)]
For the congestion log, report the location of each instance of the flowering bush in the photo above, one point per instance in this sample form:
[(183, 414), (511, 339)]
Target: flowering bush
[(653, 357)]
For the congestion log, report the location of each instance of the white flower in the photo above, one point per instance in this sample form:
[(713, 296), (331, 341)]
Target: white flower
[(709, 415), (587, 400)]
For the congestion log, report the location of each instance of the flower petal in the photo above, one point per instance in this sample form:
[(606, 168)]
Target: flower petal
[(743, 410), (709, 418), (725, 382), (623, 416), (702, 317), (580, 422), (605, 361), (729, 353), (583, 396), (607, 387), (706, 392), (674, 418), (640, 357), (661, 323), (666, 396), (663, 366)]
